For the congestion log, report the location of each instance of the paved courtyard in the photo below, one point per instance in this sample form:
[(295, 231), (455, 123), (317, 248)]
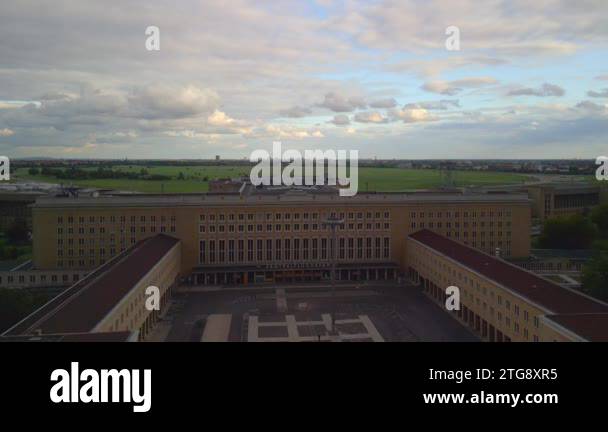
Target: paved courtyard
[(304, 314)]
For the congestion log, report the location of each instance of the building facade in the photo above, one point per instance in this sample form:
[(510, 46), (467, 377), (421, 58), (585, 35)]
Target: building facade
[(563, 199), (276, 236), (500, 301), (114, 299)]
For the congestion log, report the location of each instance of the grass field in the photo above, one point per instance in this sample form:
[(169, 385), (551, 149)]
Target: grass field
[(378, 179)]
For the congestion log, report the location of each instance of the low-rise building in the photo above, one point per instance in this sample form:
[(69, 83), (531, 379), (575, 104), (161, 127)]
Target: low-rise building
[(500, 301)]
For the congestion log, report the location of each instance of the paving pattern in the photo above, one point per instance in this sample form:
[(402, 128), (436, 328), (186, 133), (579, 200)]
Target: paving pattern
[(290, 329)]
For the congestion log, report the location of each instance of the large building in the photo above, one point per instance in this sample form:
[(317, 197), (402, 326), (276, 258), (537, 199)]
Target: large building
[(275, 234), (110, 302), (500, 301), (562, 199), (441, 239)]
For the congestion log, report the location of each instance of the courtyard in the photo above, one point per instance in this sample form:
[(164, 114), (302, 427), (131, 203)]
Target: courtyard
[(308, 313)]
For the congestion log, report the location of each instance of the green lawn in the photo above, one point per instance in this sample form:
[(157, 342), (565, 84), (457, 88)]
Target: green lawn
[(379, 179)]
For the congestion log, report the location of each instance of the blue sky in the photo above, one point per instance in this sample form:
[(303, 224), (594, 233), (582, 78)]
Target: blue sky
[(530, 79)]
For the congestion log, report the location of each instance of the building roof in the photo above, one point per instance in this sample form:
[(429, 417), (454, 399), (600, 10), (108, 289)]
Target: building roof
[(82, 306), (591, 327), (542, 292), (278, 197), (124, 336)]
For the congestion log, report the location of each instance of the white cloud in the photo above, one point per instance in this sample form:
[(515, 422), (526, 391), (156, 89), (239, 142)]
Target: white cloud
[(443, 104), (164, 101), (383, 103), (601, 94), (296, 112), (340, 120), (412, 115), (338, 103), (454, 87), (543, 91), (6, 132), (370, 117)]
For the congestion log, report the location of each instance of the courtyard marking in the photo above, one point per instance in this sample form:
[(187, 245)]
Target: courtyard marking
[(371, 328), (217, 328), (293, 334), (281, 300)]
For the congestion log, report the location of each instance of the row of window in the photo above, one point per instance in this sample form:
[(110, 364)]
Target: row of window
[(288, 249), (291, 227), (482, 224), (274, 216), (102, 230), (466, 214), (278, 216), (112, 219)]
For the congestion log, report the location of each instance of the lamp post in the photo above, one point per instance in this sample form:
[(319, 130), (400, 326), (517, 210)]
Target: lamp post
[(333, 222)]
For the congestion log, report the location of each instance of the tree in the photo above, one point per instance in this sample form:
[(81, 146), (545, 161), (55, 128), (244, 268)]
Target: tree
[(15, 304), (17, 232), (181, 176), (568, 232), (595, 277), (599, 216), (33, 171)]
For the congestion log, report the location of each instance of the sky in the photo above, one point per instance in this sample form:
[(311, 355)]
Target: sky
[(530, 79)]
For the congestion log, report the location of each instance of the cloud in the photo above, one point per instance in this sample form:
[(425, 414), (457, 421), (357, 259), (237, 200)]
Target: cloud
[(340, 120), (338, 103), (602, 77), (284, 132), (591, 106), (370, 117), (219, 118), (454, 87), (443, 104), (412, 115), (6, 132), (164, 101), (545, 90), (383, 103), (296, 112), (601, 94), (55, 95)]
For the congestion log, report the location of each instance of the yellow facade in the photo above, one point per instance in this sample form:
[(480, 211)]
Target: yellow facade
[(491, 310), (85, 232), (131, 313)]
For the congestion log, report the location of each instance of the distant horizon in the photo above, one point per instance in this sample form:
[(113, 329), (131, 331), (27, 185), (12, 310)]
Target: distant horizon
[(246, 159)]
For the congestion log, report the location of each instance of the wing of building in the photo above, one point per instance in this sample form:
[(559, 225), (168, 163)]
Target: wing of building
[(110, 302), (500, 301)]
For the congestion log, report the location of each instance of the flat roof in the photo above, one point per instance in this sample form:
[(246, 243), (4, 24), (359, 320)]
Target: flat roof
[(540, 291), (592, 327), (288, 197), (81, 307), (73, 337)]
